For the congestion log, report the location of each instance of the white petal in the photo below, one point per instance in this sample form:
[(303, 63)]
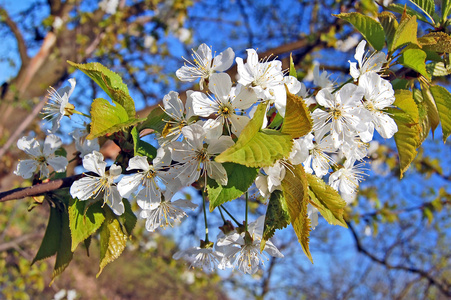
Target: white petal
[(26, 168), (129, 184), (173, 105), (386, 126), (184, 203), (238, 123), (245, 98), (359, 52), (138, 163), (220, 145), (204, 54), (221, 84), (224, 60), (51, 144), (58, 163), (84, 188), (30, 146), (202, 105), (94, 162), (114, 200), (217, 172)]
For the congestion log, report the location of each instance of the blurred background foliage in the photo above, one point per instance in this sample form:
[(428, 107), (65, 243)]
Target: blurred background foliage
[(398, 242)]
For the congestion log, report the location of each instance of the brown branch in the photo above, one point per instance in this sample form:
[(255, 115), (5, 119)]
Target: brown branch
[(443, 287), (39, 189), (19, 37)]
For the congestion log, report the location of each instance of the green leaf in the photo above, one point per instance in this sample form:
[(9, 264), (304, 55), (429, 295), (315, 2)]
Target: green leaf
[(423, 118), (408, 136), (427, 6), (156, 120), (433, 116), (276, 217), (438, 69), (292, 67), (371, 29), (398, 8), (406, 33), (240, 178), (128, 218), (442, 99), (298, 121), (446, 7), (64, 254), (83, 225), (111, 83), (141, 147), (112, 240), (416, 60), (294, 187), (258, 147), (327, 200), (390, 24), (51, 241), (107, 119), (442, 42)]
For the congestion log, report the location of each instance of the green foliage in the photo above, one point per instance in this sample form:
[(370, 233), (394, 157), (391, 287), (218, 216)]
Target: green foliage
[(327, 200), (442, 99), (408, 136), (113, 239), (294, 187), (155, 120), (406, 33), (258, 147), (390, 24), (398, 8), (292, 67), (446, 7), (416, 60), (83, 223), (141, 147), (64, 253), (128, 218), (371, 29), (108, 119), (298, 121), (277, 216), (427, 6), (441, 44), (240, 178), (111, 83)]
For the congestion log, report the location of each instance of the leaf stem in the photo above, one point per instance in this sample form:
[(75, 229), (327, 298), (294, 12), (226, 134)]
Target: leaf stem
[(227, 212), (82, 114), (205, 217), (247, 209)]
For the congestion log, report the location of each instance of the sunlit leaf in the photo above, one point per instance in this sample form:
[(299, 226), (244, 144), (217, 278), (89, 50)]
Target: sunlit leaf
[(416, 60), (292, 67), (406, 33), (83, 225), (240, 178), (294, 187), (141, 147), (442, 99), (111, 83), (371, 29), (390, 24), (399, 8), (427, 6), (277, 216), (442, 44), (258, 147), (327, 200), (298, 121)]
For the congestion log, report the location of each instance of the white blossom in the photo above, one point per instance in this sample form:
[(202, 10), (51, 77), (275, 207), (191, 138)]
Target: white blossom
[(265, 78), (229, 105), (243, 250), (347, 178), (102, 185), (373, 63), (205, 65), (202, 258), (41, 155), (164, 213), (379, 94), (58, 105), (82, 144)]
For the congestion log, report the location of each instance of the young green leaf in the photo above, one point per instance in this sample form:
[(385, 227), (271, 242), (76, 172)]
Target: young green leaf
[(446, 7), (52, 237), (433, 116), (390, 24), (294, 187), (427, 6), (83, 224), (156, 120), (416, 60), (406, 33), (64, 254), (276, 217), (424, 123), (442, 42), (111, 83), (442, 99), (112, 240), (107, 118), (258, 147), (399, 8), (128, 218), (292, 67), (240, 178), (298, 121), (327, 200), (371, 29), (141, 147)]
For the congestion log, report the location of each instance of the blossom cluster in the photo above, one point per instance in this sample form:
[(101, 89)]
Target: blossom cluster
[(209, 122)]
